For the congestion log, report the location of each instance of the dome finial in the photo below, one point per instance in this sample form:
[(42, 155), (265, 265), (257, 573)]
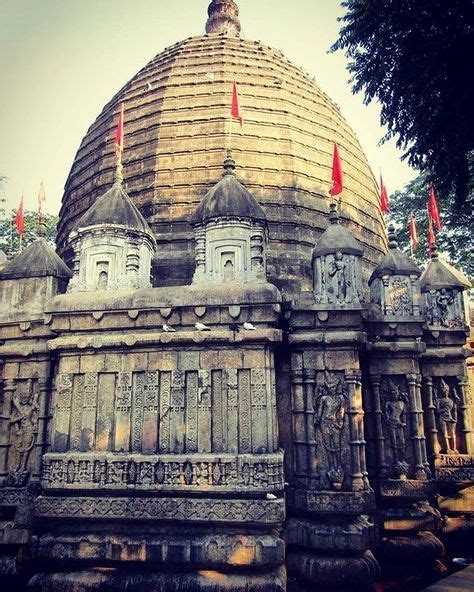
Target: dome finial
[(229, 164), (392, 237), (118, 176), (223, 18), (434, 252), (333, 215), (41, 229)]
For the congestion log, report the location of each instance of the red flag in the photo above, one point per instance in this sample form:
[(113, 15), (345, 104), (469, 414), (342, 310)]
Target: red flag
[(119, 134), (19, 220), (413, 232), (433, 208), (431, 235), (235, 109), (41, 200), (384, 199), (336, 173)]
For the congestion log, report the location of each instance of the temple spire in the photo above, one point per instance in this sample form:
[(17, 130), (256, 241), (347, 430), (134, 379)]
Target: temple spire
[(223, 18)]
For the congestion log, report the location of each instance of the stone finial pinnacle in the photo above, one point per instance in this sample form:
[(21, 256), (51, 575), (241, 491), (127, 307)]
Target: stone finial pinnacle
[(41, 229), (392, 237), (229, 164), (118, 176), (434, 252), (223, 18), (333, 215)]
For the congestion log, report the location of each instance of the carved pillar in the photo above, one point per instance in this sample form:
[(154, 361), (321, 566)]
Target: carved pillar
[(415, 295), (299, 425), (417, 431), (386, 298), (356, 441), (200, 253), (430, 417), (378, 422), (466, 405), (309, 386), (8, 389)]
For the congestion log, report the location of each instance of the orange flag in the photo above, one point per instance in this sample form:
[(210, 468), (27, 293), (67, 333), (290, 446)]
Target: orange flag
[(433, 208), (235, 109), (19, 218), (384, 199), (119, 134), (337, 185), (413, 233)]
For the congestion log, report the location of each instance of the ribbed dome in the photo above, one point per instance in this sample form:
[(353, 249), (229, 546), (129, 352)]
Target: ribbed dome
[(228, 198), (114, 207), (177, 118)]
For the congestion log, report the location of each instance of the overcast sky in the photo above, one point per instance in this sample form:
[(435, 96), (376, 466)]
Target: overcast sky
[(62, 60)]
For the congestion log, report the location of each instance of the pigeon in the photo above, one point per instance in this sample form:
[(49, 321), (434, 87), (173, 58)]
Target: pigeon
[(202, 327), (271, 496), (168, 329), (249, 327)]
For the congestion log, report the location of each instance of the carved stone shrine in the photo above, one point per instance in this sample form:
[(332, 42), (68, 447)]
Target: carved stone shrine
[(228, 382)]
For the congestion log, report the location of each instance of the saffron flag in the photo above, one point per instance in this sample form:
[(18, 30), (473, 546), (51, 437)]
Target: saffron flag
[(384, 199), (337, 185), (19, 219), (41, 200), (431, 235), (433, 208), (119, 134), (235, 109), (413, 233)]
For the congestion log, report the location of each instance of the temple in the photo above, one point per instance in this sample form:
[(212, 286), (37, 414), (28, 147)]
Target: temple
[(223, 379)]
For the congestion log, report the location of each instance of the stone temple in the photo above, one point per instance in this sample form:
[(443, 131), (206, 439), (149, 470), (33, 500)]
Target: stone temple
[(222, 379)]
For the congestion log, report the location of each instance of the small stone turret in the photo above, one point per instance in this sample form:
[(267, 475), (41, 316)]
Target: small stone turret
[(442, 288), (32, 278), (394, 284), (337, 270), (113, 244), (230, 230)]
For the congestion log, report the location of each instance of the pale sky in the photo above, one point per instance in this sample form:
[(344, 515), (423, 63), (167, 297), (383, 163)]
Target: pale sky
[(62, 60)]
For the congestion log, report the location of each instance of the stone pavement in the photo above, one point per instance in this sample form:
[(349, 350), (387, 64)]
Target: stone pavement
[(460, 581)]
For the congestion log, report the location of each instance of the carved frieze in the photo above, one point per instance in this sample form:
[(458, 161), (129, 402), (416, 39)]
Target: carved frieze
[(455, 468), (445, 308), (248, 511), (163, 473)]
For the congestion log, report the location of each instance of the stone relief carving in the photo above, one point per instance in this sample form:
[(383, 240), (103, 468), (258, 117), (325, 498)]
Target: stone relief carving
[(92, 471), (330, 407), (23, 430), (400, 296), (394, 405), (337, 279), (445, 308), (446, 411)]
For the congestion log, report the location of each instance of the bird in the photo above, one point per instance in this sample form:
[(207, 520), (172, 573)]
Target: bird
[(271, 496), (202, 327), (168, 329), (249, 327)]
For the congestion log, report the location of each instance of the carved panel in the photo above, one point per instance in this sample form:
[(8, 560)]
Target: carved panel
[(164, 473), (89, 407), (165, 411), (150, 412), (137, 410), (230, 378), (123, 408), (245, 425), (394, 404), (204, 411), (62, 412), (445, 308), (447, 409), (76, 411), (191, 411), (177, 409), (183, 509), (259, 411)]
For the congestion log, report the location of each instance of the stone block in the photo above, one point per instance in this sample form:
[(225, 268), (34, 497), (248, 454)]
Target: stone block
[(229, 358), (69, 364), (313, 360), (92, 363), (208, 359), (165, 361), (10, 370), (188, 360), (254, 358), (113, 362), (136, 361)]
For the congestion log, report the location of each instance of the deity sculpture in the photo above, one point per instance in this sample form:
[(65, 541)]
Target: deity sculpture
[(337, 271), (444, 299), (447, 415), (394, 413), (330, 409), (24, 430)]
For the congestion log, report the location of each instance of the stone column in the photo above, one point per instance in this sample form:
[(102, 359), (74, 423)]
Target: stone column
[(466, 411), (417, 431), (430, 417), (356, 442)]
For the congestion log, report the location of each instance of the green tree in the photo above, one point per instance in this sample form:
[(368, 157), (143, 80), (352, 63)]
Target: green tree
[(412, 56), (9, 239), (455, 239)]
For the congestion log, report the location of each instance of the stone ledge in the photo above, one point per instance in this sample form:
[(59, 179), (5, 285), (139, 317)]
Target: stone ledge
[(455, 468), (327, 337), (186, 509), (406, 488), (149, 338)]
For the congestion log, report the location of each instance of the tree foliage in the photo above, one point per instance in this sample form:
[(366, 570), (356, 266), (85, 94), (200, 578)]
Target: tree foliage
[(9, 239), (455, 239), (413, 56)]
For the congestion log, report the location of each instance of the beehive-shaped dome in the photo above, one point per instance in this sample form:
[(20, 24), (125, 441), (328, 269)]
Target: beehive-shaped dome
[(177, 123)]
